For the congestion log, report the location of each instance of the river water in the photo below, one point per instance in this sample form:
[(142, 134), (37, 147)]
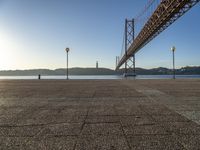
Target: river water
[(103, 77)]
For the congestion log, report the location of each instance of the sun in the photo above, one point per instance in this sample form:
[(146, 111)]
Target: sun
[(6, 52)]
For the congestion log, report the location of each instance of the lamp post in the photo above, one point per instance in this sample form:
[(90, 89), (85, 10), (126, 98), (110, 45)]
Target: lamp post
[(67, 50), (173, 50)]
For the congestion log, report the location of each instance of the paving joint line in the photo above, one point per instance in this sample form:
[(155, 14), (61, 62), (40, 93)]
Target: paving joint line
[(83, 124), (124, 135)]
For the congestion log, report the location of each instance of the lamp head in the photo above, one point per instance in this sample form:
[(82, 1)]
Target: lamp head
[(173, 48), (67, 49)]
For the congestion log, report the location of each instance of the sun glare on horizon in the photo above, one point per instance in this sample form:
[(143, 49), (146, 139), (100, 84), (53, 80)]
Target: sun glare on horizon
[(7, 51), (10, 49)]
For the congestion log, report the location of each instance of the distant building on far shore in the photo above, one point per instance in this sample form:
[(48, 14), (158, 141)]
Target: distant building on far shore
[(97, 65)]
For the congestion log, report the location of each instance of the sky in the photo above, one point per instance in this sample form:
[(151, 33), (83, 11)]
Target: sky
[(34, 34)]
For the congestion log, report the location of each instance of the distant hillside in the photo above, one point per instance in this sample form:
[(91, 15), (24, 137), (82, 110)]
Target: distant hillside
[(61, 71), (86, 71), (165, 71), (100, 71)]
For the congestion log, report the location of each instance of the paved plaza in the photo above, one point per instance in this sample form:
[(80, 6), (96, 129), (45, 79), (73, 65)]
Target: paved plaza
[(100, 114)]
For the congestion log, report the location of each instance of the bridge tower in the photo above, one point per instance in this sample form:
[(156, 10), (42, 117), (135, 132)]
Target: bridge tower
[(129, 38)]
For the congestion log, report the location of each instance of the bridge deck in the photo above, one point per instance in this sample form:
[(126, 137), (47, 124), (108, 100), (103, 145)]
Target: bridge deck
[(167, 12), (100, 114)]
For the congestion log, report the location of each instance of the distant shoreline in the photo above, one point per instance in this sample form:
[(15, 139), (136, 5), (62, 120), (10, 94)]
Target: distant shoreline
[(100, 71), (99, 77)]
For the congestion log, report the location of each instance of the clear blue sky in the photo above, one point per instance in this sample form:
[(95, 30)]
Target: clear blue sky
[(34, 34)]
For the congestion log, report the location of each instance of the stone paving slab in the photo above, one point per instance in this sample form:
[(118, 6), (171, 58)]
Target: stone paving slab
[(154, 110), (21, 131), (138, 120), (144, 129), (17, 143), (52, 143), (194, 115), (102, 111), (54, 119), (154, 142), (189, 141), (169, 118), (113, 142), (48, 143), (129, 110), (106, 129), (8, 115), (187, 128), (64, 129), (102, 119)]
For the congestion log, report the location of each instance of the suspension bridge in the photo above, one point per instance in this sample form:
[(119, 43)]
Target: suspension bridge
[(154, 19)]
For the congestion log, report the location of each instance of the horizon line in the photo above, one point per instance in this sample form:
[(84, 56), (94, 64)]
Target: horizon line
[(96, 68)]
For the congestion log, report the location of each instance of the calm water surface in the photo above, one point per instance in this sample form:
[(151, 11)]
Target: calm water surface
[(104, 77)]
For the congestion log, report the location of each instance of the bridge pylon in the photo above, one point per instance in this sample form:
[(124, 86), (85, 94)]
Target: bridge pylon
[(129, 38)]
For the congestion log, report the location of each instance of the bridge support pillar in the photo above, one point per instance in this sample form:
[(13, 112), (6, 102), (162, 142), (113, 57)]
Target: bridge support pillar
[(129, 38)]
